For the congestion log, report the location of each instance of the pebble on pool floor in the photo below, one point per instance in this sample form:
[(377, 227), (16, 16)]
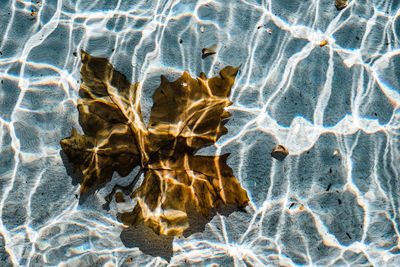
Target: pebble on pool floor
[(323, 43), (209, 51), (340, 4), (279, 152)]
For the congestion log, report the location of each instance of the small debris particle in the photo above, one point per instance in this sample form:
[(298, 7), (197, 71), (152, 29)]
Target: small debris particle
[(1, 53), (269, 30), (119, 197), (1, 81), (180, 41), (279, 152), (358, 38), (291, 205), (340, 4), (301, 207), (259, 27), (395, 250), (76, 196), (209, 51), (329, 187), (33, 12), (330, 170), (38, 3), (202, 29), (75, 54), (348, 235), (129, 260), (112, 50), (323, 43), (335, 152), (339, 201)]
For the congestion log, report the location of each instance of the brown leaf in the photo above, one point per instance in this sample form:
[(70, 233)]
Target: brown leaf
[(187, 114), (108, 111), (97, 157), (190, 112), (172, 185)]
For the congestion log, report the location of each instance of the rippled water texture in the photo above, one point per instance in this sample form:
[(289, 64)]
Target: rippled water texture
[(333, 201)]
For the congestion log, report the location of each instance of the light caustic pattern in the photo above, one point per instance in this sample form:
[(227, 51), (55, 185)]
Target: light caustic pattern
[(333, 201)]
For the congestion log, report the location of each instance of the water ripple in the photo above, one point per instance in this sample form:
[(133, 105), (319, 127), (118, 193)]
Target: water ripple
[(333, 201)]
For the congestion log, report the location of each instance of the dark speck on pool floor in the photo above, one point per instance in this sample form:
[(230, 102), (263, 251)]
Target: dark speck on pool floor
[(329, 187), (348, 235)]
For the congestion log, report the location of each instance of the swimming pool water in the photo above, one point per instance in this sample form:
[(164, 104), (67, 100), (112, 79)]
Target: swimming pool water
[(334, 201)]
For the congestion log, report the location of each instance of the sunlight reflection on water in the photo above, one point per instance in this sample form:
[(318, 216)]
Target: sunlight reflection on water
[(313, 208)]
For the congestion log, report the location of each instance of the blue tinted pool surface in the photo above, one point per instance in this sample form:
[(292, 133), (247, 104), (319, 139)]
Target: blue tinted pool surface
[(322, 82)]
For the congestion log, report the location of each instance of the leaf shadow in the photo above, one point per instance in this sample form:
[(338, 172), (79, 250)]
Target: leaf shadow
[(69, 167), (197, 222), (76, 177), (148, 242)]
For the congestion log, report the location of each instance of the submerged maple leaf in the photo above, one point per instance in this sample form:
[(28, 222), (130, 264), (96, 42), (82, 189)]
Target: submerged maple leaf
[(186, 115)]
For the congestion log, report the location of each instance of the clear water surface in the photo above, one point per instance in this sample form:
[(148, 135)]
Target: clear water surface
[(334, 201)]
